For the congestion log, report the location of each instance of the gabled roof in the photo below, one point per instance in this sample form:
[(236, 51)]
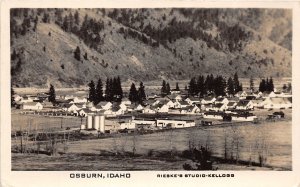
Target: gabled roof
[(208, 98), (172, 96), (231, 103), (183, 103), (243, 103), (103, 103), (31, 103)]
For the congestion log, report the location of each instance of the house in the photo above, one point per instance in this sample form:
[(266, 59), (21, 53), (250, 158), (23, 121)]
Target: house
[(117, 110), (162, 108), (26, 99), (231, 105), (175, 91), (267, 94), (208, 100), (244, 105), (47, 104), (126, 101), (32, 106), (192, 100), (70, 107), (17, 98), (149, 110), (79, 100), (241, 94), (105, 105), (138, 107), (190, 110), (277, 103), (217, 107), (222, 100), (181, 104), (174, 97), (84, 112), (68, 97), (257, 103)]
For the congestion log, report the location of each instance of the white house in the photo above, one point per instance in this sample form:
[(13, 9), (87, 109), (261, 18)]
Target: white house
[(79, 100), (174, 97), (231, 105), (241, 94), (267, 94), (277, 103), (70, 107), (149, 110), (26, 99), (244, 105), (192, 100), (84, 112), (190, 110), (162, 108), (217, 107), (208, 100), (181, 104), (32, 106), (105, 105), (222, 100), (126, 101)]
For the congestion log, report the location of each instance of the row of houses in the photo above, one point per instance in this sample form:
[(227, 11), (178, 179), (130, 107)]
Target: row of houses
[(171, 104)]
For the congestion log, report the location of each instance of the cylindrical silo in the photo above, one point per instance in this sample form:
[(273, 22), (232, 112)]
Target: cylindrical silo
[(96, 123), (89, 122), (102, 123)]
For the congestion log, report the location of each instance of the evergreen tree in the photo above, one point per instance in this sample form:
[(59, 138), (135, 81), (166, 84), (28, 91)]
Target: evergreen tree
[(163, 90), (262, 85), (76, 17), (236, 83), (109, 90), (133, 94), (77, 54), (12, 100), (177, 87), (230, 86), (52, 96), (118, 89), (271, 85), (168, 89), (201, 86), (92, 92), (99, 92), (193, 87), (251, 84), (141, 93), (267, 85)]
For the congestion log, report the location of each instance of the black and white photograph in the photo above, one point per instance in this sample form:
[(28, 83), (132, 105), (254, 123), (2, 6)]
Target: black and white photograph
[(107, 92)]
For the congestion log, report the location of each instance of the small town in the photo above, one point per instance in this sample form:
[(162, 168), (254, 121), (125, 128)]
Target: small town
[(238, 107), (151, 89)]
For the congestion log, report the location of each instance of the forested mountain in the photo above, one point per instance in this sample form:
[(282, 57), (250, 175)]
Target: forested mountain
[(70, 47)]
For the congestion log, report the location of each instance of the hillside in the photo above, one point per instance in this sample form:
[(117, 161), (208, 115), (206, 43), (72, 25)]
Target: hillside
[(145, 44)]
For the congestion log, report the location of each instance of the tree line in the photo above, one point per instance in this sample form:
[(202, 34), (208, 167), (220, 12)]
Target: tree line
[(113, 90), (266, 85), (137, 95), (218, 85)]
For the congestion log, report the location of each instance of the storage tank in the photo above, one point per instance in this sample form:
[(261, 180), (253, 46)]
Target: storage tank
[(102, 123), (96, 123), (82, 127), (89, 122)]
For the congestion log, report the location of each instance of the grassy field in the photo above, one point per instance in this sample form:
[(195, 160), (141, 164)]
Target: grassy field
[(245, 140)]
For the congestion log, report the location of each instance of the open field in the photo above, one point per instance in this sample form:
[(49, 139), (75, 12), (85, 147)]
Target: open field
[(276, 138)]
